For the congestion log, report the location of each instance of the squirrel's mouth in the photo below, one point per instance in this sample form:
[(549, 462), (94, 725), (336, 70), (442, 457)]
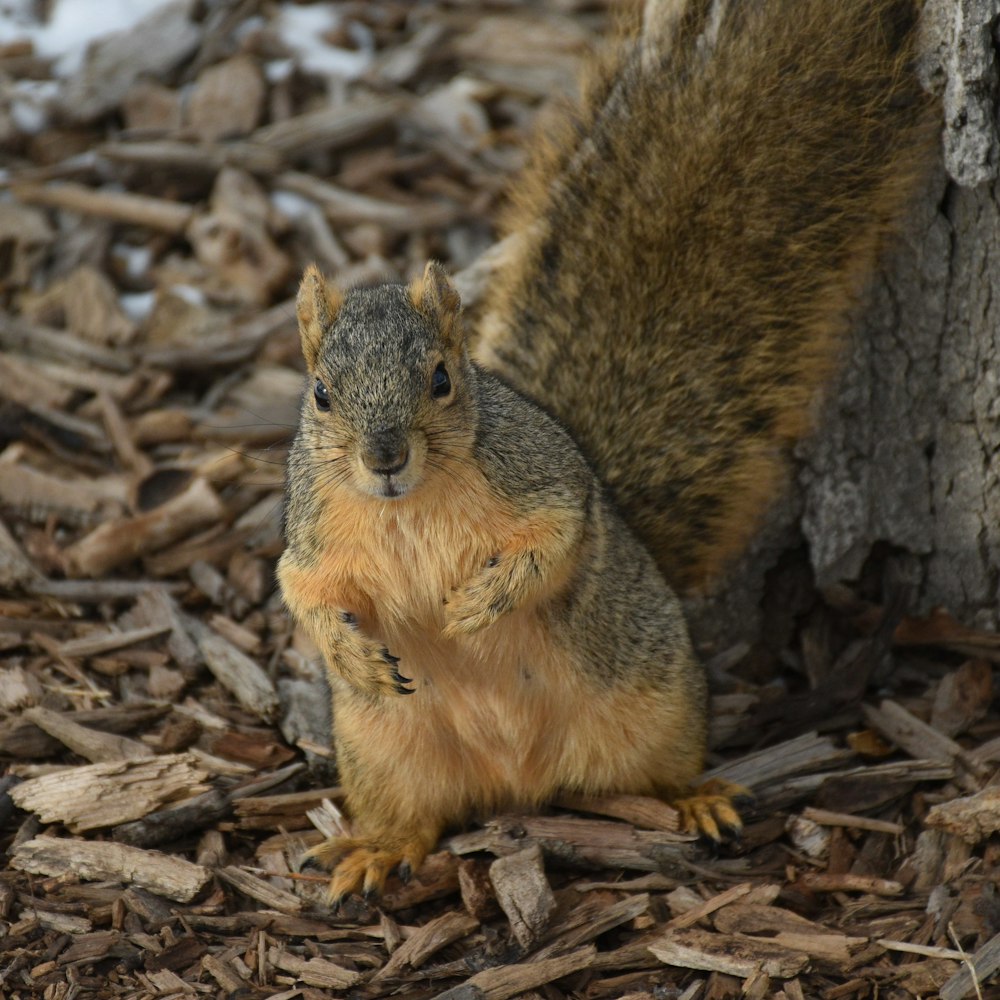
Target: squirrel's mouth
[(390, 488)]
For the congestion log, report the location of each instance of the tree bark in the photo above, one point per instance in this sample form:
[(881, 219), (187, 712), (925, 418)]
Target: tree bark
[(907, 450)]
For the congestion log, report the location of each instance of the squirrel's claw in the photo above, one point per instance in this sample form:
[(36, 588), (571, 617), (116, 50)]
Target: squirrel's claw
[(711, 811), (361, 865)]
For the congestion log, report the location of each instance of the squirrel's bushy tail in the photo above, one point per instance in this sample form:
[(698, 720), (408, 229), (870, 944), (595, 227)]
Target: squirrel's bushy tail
[(693, 240)]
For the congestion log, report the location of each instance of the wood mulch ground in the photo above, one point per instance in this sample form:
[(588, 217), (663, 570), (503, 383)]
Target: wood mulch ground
[(166, 750)]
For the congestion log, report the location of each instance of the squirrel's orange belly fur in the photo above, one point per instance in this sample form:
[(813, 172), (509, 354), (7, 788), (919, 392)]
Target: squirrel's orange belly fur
[(502, 719), (498, 719)]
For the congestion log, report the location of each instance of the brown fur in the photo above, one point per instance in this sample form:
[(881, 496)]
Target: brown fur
[(494, 633), (483, 640), (696, 235)]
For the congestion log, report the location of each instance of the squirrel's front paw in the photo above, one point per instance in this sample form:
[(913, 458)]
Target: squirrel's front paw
[(479, 603), (368, 665)]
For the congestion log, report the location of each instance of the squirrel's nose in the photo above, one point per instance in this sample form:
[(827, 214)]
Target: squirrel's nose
[(386, 460)]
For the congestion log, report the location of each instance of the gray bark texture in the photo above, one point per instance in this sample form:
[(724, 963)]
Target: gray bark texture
[(907, 450)]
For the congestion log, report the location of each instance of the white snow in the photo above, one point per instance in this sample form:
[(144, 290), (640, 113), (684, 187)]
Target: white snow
[(291, 205), (136, 259), (191, 295), (30, 103), (303, 29), (137, 305), (72, 26)]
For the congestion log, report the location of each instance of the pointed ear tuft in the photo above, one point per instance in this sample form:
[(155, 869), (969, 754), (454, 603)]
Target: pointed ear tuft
[(317, 306), (434, 295)]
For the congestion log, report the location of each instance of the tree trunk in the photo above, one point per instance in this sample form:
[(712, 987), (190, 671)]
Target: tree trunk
[(907, 451)]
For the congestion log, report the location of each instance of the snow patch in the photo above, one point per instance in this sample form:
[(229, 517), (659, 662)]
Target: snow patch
[(71, 27), (303, 30)]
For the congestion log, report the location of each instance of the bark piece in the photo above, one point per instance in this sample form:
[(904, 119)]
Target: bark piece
[(344, 207), (92, 744), (100, 795), (690, 917), (973, 818), (223, 973), (105, 641), (227, 99), (476, 889), (15, 568), (17, 689), (788, 930), (73, 500), (120, 541), (96, 861), (509, 980), (236, 246), (731, 954), (963, 697), (156, 608), (523, 893), (827, 818), (809, 752), (590, 919), (25, 235), (425, 942), (436, 877), (115, 206), (847, 882), (166, 825), (985, 961), (957, 46), (580, 841), (639, 810), (328, 127), (238, 673), (271, 896), (87, 303), (314, 971), (20, 737), (149, 106), (919, 739)]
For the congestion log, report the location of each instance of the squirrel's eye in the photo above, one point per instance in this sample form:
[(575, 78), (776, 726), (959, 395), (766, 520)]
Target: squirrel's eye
[(322, 396), (440, 382)]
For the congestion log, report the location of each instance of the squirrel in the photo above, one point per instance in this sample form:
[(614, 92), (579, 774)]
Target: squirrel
[(487, 545)]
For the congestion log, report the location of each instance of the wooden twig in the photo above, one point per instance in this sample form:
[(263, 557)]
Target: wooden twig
[(133, 209)]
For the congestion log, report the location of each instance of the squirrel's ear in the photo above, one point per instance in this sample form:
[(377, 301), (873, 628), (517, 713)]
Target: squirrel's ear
[(317, 306), (434, 295)]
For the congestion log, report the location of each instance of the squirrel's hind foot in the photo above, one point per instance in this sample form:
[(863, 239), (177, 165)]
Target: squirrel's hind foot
[(362, 864), (712, 810)]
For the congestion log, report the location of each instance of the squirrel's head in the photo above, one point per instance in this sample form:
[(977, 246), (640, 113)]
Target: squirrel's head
[(389, 399)]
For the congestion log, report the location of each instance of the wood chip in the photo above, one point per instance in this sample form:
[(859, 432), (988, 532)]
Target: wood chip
[(314, 971), (972, 818), (271, 896), (134, 209), (507, 981), (847, 882), (978, 967), (919, 739), (827, 818), (101, 795), (425, 942), (690, 917), (120, 541), (101, 861), (523, 893), (238, 673), (94, 745), (731, 954), (639, 810)]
